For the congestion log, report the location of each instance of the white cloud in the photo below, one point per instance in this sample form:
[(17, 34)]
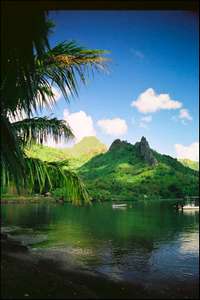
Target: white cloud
[(80, 123), (184, 114), (115, 127), (150, 102), (190, 152)]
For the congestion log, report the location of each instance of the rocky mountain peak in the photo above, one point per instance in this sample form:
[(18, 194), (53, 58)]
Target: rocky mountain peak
[(145, 151), (144, 142), (118, 144), (142, 148), (115, 145)]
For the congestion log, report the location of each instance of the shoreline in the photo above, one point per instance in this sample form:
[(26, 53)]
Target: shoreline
[(49, 199), (26, 199), (25, 276), (45, 279)]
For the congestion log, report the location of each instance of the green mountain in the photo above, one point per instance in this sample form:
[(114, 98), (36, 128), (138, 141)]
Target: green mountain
[(83, 151), (89, 146), (76, 155), (129, 171), (190, 163), (125, 171), (47, 153)]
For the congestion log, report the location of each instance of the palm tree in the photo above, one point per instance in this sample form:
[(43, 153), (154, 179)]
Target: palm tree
[(26, 88)]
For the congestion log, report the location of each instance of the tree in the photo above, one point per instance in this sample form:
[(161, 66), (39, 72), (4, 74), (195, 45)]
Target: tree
[(29, 70)]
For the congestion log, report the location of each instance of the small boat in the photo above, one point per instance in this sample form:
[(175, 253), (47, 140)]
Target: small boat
[(190, 207), (119, 205), (187, 207)]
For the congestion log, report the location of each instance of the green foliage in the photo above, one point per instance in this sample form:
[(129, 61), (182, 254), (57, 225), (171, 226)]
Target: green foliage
[(89, 145), (45, 153), (37, 130), (121, 174), (77, 155), (29, 69), (72, 157), (43, 177)]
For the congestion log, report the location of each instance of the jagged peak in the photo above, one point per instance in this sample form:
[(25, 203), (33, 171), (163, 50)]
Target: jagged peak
[(145, 151), (143, 139), (141, 147), (116, 144)]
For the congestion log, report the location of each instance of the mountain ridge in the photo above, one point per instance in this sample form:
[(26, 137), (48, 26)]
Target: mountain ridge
[(128, 171), (88, 144), (124, 171), (77, 155)]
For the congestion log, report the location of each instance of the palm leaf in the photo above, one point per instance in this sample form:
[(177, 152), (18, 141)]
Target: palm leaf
[(26, 173), (67, 62), (12, 156), (48, 176), (63, 65), (29, 68), (38, 130)]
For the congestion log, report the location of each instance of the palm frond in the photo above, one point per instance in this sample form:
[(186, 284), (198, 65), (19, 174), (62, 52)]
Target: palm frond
[(29, 68), (74, 188), (12, 156), (26, 173), (47, 176), (38, 130), (64, 64), (44, 176)]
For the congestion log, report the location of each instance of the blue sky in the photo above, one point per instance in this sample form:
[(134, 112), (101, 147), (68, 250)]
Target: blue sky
[(152, 53)]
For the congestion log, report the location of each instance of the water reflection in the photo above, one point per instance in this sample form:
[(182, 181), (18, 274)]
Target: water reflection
[(148, 242), (189, 243)]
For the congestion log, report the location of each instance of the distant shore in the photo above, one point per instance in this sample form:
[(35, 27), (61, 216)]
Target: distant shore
[(26, 199), (23, 276), (15, 199)]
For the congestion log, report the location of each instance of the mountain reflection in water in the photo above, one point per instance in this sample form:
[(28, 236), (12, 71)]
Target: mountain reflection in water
[(148, 242)]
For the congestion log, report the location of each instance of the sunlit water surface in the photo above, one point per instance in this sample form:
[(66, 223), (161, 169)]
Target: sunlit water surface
[(145, 242)]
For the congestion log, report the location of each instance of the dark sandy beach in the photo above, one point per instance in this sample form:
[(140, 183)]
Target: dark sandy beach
[(23, 276)]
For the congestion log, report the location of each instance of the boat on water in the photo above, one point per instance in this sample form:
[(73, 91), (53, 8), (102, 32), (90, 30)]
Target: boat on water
[(190, 207), (119, 205)]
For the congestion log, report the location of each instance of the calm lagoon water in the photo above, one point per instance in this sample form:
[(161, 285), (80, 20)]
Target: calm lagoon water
[(149, 243)]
